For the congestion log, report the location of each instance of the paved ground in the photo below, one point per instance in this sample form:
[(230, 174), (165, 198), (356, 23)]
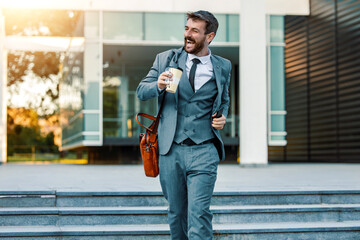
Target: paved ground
[(131, 177)]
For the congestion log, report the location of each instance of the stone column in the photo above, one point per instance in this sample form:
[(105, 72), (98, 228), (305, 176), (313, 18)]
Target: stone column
[(253, 93)]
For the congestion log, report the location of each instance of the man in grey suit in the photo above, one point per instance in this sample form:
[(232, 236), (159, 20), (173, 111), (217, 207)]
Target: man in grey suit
[(190, 145)]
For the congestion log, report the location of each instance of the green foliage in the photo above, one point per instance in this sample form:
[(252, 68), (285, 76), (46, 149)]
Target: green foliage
[(43, 67), (18, 65), (22, 139), (42, 64), (110, 97), (24, 133), (34, 69)]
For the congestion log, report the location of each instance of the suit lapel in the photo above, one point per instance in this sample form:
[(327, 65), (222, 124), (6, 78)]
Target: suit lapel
[(217, 72), (182, 65)]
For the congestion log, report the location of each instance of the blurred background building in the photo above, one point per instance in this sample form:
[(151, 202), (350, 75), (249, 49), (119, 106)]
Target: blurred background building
[(294, 85)]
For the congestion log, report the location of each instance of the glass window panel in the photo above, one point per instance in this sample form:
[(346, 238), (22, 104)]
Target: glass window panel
[(277, 138), (233, 28), (91, 137), (120, 103), (71, 84), (123, 26), (277, 28), (77, 125), (278, 123), (73, 128), (91, 122), (277, 78), (91, 24), (164, 26), (221, 32), (92, 96), (75, 140), (71, 97)]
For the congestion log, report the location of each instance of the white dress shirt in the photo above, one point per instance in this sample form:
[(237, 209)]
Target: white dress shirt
[(204, 70)]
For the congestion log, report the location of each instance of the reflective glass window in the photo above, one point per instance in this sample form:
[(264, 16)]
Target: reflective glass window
[(233, 28), (278, 138), (277, 29), (164, 26), (123, 26), (92, 96), (221, 32), (71, 97), (91, 137), (91, 122), (74, 140), (277, 78), (123, 71), (277, 123)]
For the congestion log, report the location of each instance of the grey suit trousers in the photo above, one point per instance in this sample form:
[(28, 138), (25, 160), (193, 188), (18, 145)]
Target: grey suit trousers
[(187, 177)]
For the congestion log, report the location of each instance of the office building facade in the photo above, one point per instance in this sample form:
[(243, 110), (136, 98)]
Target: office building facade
[(116, 43)]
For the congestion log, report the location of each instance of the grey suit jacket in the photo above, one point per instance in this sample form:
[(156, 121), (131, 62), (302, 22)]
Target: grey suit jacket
[(148, 89)]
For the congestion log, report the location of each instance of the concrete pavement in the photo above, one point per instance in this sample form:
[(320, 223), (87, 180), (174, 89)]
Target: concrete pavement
[(130, 178)]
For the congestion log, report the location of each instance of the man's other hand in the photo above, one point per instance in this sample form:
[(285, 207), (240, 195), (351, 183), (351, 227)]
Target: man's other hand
[(218, 123)]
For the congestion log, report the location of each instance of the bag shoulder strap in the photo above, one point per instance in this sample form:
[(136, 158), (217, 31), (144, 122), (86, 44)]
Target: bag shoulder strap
[(146, 116), (153, 127)]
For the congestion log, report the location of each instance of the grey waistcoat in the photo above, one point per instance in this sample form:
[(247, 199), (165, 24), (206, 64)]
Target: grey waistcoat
[(194, 111)]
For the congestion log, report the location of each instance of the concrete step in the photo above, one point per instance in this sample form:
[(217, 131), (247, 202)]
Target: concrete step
[(27, 199), (112, 199), (158, 215), (263, 231), (79, 199), (286, 197)]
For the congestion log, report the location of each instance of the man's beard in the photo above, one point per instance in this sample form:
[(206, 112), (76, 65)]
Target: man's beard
[(198, 45)]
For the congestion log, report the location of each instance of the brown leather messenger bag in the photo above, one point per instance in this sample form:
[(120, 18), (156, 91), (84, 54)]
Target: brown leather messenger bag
[(149, 147)]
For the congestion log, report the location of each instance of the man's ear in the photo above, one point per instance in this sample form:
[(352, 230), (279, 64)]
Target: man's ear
[(210, 37)]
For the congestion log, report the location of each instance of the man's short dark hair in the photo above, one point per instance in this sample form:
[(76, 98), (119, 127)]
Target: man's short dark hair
[(211, 22)]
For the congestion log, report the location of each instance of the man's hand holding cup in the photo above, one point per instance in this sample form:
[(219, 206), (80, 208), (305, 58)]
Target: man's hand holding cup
[(164, 79)]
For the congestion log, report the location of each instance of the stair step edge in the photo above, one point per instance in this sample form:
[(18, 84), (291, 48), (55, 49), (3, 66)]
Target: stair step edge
[(163, 209), (64, 193), (164, 229)]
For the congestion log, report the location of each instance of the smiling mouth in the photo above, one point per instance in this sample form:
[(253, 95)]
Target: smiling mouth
[(190, 41)]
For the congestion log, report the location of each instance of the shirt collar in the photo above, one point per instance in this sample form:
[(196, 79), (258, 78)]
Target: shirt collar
[(203, 59)]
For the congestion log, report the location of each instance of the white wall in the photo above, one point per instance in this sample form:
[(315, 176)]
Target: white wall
[(282, 7)]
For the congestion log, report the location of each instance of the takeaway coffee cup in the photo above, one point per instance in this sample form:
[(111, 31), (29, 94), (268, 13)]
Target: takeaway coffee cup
[(174, 81)]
